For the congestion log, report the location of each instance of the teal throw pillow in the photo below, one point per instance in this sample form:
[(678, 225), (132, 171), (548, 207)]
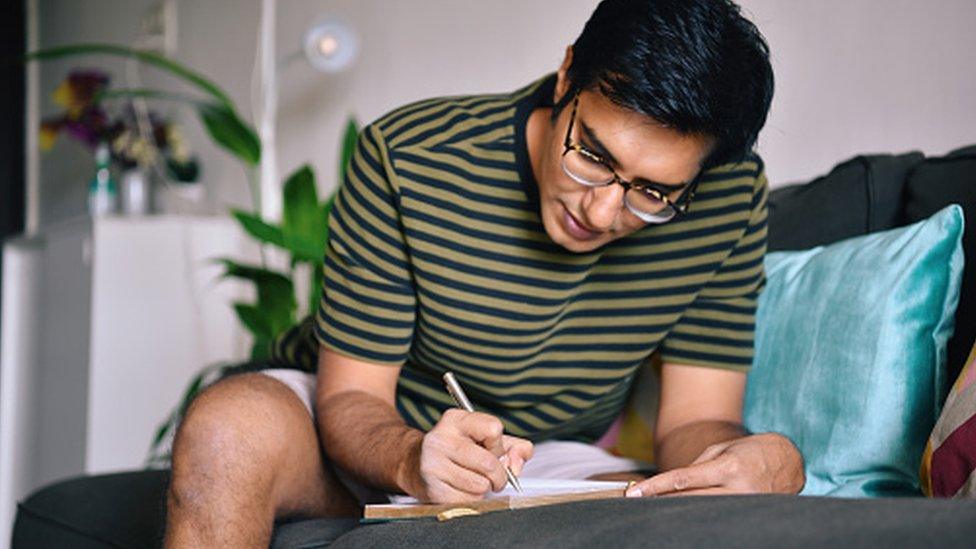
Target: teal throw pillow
[(850, 353)]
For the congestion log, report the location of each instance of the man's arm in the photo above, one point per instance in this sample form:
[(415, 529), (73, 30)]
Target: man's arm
[(698, 407), (362, 432), (358, 423), (702, 446)]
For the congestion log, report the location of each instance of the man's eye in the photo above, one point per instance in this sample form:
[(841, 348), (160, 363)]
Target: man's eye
[(652, 193), (593, 161)]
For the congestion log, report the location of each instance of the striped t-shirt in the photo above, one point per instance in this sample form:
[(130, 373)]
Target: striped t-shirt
[(438, 260)]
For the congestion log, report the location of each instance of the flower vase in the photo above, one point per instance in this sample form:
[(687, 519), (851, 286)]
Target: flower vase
[(102, 197), (136, 191)]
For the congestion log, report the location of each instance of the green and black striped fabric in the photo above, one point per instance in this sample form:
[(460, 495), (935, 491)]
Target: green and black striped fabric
[(438, 260)]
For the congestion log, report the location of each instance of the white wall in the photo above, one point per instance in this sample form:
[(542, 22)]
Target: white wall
[(857, 76), (852, 76)]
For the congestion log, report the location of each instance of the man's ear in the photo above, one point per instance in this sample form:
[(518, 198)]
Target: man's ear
[(562, 80)]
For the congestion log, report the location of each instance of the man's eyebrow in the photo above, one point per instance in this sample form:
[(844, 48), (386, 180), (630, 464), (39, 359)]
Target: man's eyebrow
[(601, 149), (598, 145)]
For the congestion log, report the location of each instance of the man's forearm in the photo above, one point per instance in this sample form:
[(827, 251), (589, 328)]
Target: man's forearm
[(368, 439), (685, 443)]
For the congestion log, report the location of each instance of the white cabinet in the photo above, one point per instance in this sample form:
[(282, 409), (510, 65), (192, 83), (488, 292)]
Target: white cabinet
[(104, 322)]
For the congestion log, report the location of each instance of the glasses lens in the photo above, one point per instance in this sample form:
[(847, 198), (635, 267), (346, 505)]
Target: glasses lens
[(586, 170), (648, 206)]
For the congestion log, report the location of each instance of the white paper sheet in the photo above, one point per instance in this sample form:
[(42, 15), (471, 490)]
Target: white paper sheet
[(538, 487)]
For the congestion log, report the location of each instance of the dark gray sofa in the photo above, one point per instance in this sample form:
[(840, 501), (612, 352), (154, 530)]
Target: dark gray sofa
[(862, 195)]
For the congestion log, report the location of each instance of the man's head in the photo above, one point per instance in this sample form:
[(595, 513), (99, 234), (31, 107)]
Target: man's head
[(660, 90)]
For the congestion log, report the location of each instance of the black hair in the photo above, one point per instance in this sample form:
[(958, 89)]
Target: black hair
[(697, 66)]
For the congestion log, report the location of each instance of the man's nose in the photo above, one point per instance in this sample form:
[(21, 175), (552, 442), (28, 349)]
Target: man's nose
[(602, 205)]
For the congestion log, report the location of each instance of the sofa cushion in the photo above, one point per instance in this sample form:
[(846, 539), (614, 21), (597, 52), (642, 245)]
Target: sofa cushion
[(931, 186), (119, 510), (129, 510), (858, 196), (310, 533), (850, 353), (724, 521)]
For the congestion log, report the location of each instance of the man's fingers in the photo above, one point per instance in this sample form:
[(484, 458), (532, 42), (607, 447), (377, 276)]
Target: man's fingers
[(514, 462), (481, 461), (703, 475), (484, 429), (518, 451), (472, 485), (524, 448), (442, 491), (489, 446)]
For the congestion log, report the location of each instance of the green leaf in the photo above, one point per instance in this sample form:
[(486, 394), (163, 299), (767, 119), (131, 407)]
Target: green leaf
[(253, 273), (304, 224), (274, 311), (161, 432), (230, 132), (306, 247), (146, 93), (163, 460), (259, 229), (150, 58), (349, 137), (184, 172), (274, 289), (252, 319), (301, 214), (261, 349)]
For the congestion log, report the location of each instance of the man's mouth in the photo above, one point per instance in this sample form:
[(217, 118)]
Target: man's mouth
[(576, 229)]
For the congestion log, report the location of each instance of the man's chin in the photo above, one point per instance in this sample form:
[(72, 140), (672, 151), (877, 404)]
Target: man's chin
[(561, 236), (570, 244)]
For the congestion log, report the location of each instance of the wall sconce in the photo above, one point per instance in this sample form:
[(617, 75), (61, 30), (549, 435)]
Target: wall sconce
[(331, 45)]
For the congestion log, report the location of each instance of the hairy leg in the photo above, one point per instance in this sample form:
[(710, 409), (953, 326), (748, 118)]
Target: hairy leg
[(247, 453)]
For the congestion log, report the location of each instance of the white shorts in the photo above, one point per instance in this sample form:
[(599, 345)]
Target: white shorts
[(553, 459)]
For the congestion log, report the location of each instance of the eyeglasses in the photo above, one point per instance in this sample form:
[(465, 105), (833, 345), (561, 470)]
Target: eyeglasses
[(648, 203)]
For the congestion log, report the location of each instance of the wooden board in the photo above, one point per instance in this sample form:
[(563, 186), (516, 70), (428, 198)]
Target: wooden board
[(392, 511)]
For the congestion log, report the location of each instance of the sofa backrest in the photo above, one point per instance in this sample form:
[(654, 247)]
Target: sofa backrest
[(879, 192), (859, 196)]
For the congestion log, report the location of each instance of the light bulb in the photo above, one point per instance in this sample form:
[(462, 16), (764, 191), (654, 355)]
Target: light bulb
[(331, 45), (328, 45)]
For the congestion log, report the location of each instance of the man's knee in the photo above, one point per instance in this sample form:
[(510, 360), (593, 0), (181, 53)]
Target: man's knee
[(237, 428)]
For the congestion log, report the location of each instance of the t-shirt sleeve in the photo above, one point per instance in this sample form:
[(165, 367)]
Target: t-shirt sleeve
[(718, 329), (368, 301)]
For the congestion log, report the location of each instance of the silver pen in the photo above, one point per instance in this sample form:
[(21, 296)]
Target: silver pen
[(457, 393)]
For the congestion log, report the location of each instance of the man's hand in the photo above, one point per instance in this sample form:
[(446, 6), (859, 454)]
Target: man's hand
[(462, 458), (765, 463)]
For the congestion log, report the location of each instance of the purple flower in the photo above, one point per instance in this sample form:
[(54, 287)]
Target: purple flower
[(79, 91)]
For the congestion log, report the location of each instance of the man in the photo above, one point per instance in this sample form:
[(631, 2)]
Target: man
[(541, 245)]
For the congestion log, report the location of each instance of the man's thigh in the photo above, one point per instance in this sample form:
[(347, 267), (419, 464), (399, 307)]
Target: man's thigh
[(302, 385)]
